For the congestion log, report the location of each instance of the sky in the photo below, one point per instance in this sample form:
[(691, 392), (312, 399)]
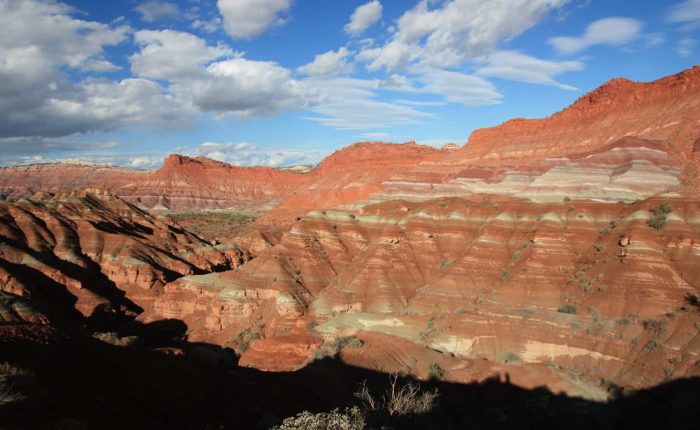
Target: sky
[(286, 82)]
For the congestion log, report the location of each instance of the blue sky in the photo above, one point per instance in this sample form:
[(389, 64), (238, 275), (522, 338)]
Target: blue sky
[(282, 82)]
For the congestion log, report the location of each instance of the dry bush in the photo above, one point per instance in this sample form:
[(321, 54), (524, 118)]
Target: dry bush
[(403, 400), (347, 419), (10, 377)]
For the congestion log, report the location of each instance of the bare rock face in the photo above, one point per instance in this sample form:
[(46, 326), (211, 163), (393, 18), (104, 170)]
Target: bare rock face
[(563, 251), (91, 250), (183, 183), (537, 248)]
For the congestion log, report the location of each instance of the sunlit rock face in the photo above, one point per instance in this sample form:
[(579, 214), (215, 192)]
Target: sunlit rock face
[(92, 250), (530, 251), (183, 183), (562, 251)]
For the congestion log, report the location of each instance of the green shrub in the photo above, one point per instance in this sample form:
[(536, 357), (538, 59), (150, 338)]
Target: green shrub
[(568, 309), (332, 349), (504, 275), (658, 221), (652, 345), (654, 326)]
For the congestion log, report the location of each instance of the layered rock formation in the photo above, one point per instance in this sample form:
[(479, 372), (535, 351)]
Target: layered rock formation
[(563, 251), (537, 247), (92, 251), (183, 183)]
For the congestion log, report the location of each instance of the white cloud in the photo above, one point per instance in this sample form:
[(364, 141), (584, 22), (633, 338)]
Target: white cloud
[(173, 55), (38, 41), (154, 10), (208, 26), (350, 104), (235, 86), (455, 31), (685, 46), (515, 66), (607, 31), (686, 13), (364, 17), (247, 89), (246, 19), (47, 29), (459, 88), (327, 64), (248, 154)]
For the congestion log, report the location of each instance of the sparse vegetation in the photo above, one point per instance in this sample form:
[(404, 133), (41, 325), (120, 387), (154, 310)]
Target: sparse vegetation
[(511, 357), (658, 220), (398, 401), (11, 380), (346, 419), (333, 348), (311, 324), (652, 345), (599, 247), (654, 326), (568, 309), (504, 275), (435, 371), (444, 264)]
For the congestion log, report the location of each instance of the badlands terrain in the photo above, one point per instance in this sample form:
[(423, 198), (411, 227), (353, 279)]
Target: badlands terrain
[(545, 274)]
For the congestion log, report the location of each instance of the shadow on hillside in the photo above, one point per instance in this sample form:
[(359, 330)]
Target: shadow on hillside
[(81, 382)]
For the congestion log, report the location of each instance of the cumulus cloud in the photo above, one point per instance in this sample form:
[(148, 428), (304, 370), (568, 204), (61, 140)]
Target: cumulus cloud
[(154, 10), (686, 13), (248, 89), (685, 46), (38, 42), (248, 154), (173, 55), (246, 19), (519, 67), (607, 31), (327, 64), (457, 30), (364, 17)]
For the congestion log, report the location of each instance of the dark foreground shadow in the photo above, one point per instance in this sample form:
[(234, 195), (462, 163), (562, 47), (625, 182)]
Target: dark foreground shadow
[(84, 383)]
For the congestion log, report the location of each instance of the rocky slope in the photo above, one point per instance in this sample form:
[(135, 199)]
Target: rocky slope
[(563, 250), (181, 184), (95, 253)]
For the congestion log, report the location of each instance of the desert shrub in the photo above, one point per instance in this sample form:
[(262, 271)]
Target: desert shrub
[(599, 247), (652, 345), (511, 357), (504, 275), (113, 338), (11, 379), (654, 326), (332, 349), (346, 419), (311, 324), (435, 371), (568, 309), (444, 264), (399, 400), (692, 299), (658, 221)]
